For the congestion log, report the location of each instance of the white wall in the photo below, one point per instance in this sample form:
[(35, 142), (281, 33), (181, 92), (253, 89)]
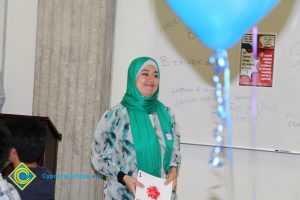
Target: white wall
[(20, 56), (2, 29)]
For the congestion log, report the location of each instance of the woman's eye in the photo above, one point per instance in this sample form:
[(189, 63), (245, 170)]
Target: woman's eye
[(145, 74), (156, 76)]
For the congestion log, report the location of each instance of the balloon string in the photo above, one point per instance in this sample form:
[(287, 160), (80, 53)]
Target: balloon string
[(253, 110), (220, 59), (228, 122)]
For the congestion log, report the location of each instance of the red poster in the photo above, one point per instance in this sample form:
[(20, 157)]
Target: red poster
[(257, 71)]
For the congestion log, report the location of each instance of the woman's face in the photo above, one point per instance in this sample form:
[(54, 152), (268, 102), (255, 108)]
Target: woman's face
[(147, 81)]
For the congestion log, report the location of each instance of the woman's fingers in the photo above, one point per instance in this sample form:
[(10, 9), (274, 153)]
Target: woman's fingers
[(174, 184), (132, 183), (172, 176), (139, 184), (169, 180)]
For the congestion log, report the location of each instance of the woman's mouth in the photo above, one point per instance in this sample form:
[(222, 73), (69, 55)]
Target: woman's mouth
[(149, 85)]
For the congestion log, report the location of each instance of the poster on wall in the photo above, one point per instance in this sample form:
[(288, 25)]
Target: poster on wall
[(257, 71)]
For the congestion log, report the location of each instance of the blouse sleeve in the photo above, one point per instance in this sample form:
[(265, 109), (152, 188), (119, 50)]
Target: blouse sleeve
[(104, 148), (176, 156)]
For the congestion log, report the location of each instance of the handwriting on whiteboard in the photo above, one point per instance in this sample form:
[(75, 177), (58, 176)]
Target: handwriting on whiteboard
[(167, 61), (174, 23), (295, 52), (293, 120), (240, 105)]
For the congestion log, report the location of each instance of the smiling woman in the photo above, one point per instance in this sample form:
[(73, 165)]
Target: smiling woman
[(140, 133), (147, 80)]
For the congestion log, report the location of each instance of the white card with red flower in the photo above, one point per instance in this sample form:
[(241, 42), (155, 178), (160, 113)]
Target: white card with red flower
[(154, 189)]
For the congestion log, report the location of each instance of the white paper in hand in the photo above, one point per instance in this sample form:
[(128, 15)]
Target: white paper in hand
[(154, 189)]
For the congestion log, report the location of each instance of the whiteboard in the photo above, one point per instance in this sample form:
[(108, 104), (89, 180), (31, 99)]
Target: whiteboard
[(150, 28)]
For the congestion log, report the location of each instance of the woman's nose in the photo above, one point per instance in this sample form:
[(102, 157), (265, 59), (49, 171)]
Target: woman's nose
[(150, 78)]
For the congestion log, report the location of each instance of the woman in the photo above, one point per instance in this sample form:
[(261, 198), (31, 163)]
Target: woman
[(138, 134)]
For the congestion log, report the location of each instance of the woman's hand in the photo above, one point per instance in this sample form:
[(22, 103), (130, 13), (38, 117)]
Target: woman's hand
[(172, 176), (131, 183)]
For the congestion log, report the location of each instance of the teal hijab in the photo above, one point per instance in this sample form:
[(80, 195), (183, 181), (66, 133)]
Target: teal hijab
[(148, 150)]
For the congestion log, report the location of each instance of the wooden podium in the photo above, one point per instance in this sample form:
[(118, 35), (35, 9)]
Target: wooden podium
[(49, 158)]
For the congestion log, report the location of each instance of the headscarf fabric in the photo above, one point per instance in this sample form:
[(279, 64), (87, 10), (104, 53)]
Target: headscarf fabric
[(148, 150)]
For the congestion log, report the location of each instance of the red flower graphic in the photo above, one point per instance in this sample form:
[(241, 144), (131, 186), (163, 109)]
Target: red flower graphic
[(153, 192)]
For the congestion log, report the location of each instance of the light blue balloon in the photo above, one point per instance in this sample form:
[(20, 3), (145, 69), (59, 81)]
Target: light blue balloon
[(219, 24)]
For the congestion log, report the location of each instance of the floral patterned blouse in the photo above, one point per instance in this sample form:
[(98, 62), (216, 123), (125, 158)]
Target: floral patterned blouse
[(113, 150)]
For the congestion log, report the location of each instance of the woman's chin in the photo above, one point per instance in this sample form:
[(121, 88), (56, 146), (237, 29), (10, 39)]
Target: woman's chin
[(147, 94)]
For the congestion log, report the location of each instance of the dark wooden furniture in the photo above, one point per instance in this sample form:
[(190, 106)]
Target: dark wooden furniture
[(49, 158)]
